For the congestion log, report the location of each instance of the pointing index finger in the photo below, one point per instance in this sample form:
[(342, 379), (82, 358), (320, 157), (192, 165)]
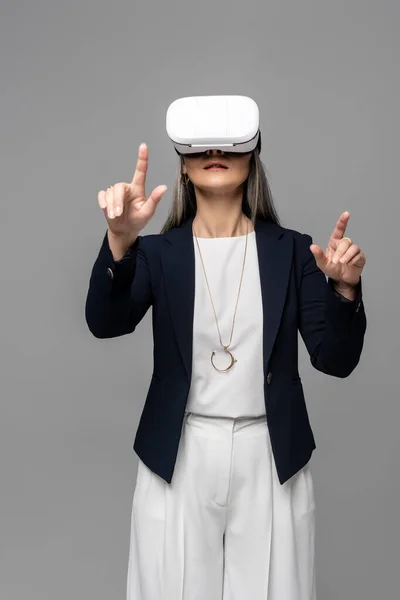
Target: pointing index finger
[(340, 227), (139, 177)]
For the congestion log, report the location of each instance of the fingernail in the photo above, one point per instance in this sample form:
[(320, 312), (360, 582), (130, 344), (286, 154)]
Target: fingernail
[(111, 214), (117, 210), (335, 259)]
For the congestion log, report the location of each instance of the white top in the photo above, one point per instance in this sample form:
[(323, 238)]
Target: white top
[(238, 392)]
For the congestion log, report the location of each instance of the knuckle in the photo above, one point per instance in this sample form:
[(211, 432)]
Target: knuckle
[(101, 198)]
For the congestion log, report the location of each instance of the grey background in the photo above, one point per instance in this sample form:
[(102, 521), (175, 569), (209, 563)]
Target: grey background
[(83, 83)]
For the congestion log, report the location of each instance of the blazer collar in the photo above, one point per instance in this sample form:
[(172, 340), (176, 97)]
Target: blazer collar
[(184, 233)]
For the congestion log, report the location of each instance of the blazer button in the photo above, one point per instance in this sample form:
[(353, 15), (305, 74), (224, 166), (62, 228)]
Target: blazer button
[(269, 377), (110, 273)]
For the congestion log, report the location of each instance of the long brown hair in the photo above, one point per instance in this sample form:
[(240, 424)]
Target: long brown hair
[(257, 197)]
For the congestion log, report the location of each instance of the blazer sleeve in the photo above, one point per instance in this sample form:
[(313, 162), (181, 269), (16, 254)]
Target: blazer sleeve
[(119, 292), (331, 326)]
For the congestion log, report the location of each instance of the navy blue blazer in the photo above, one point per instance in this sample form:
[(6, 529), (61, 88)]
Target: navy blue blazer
[(158, 271)]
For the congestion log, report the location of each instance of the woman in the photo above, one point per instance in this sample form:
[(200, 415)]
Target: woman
[(224, 505)]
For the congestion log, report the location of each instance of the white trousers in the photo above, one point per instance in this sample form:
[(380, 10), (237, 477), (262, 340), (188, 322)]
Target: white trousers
[(225, 528)]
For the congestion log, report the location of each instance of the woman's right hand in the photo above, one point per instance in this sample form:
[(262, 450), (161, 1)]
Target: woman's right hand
[(125, 205)]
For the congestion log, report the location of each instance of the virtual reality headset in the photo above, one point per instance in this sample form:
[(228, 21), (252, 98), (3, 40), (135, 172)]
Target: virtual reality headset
[(199, 123)]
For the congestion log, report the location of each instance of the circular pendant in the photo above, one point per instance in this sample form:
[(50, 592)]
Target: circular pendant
[(233, 360)]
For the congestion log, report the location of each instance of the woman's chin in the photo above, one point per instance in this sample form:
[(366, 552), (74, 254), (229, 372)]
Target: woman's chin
[(217, 184)]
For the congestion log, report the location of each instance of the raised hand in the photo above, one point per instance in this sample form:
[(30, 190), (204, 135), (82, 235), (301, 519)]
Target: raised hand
[(125, 205), (342, 261)]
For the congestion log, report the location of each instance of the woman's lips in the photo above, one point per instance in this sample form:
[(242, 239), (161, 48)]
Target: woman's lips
[(215, 168)]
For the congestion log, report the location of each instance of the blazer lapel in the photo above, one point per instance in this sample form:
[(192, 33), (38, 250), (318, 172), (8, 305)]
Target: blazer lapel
[(274, 249), (179, 276)]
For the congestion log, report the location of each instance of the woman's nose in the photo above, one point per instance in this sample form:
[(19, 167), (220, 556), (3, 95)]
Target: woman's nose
[(214, 151)]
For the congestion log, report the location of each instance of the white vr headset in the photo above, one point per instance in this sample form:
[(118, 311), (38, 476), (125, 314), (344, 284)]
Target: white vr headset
[(200, 123)]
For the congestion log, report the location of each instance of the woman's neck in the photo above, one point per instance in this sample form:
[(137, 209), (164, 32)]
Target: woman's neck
[(213, 225)]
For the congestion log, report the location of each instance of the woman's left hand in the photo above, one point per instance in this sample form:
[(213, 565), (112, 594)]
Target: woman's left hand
[(343, 260)]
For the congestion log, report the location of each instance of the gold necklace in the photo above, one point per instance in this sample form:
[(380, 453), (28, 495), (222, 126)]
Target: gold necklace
[(224, 346)]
